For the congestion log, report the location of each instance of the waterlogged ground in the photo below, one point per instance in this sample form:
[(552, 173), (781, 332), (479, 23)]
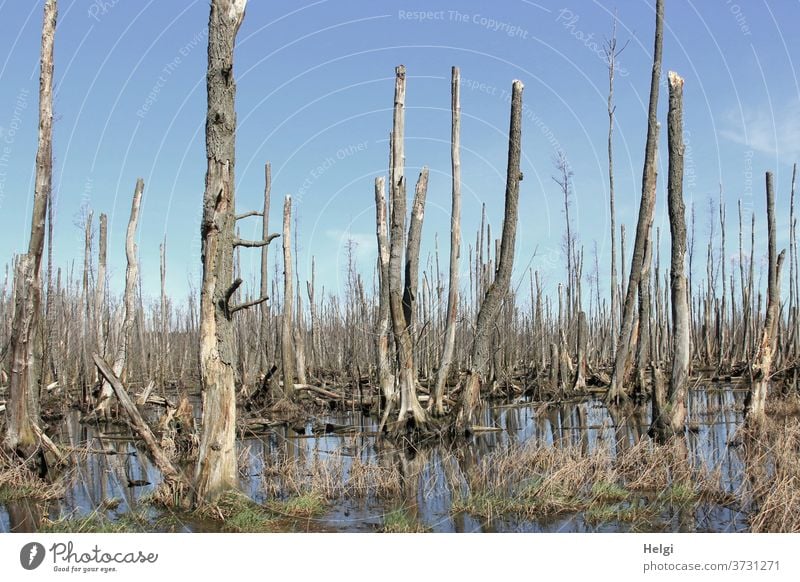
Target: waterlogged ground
[(350, 484)]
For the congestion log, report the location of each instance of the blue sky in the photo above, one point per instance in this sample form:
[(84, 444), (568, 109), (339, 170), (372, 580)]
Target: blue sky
[(315, 82)]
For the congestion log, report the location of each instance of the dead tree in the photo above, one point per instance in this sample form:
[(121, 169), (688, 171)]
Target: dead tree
[(498, 289), (86, 303), (216, 470), (173, 479), (264, 309), (616, 392), (287, 329), (22, 414), (579, 382), (669, 418), (103, 407), (164, 360), (100, 288), (755, 412), (612, 52), (411, 412), (436, 405), (386, 379)]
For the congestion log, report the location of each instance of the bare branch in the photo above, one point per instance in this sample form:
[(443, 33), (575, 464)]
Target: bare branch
[(234, 308), (248, 214), (238, 242)]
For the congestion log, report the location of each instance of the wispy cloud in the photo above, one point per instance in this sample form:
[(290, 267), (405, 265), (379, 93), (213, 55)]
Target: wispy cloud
[(774, 131)]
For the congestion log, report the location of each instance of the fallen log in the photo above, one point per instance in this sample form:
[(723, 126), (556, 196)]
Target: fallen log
[(172, 478), (142, 398), (49, 446), (318, 390)]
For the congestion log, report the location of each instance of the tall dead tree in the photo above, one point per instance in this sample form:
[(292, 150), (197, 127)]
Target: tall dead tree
[(22, 409), (411, 412), (216, 470), (755, 402), (164, 359), (612, 52), (287, 328), (498, 289), (670, 418), (616, 391), (103, 408), (100, 288), (264, 309), (437, 401)]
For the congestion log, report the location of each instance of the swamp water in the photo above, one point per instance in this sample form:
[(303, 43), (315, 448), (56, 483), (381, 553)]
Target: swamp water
[(365, 486)]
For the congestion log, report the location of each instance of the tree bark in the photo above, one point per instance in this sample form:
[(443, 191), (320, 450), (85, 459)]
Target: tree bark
[(216, 470), (616, 392), (437, 401), (498, 289), (22, 407)]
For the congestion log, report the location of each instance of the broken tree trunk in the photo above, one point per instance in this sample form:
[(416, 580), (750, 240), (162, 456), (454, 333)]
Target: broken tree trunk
[(436, 405), (616, 392), (755, 412), (174, 480), (216, 470), (103, 408), (496, 293), (22, 414), (670, 419)]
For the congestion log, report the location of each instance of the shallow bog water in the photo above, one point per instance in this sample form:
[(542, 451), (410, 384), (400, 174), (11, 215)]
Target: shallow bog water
[(114, 472)]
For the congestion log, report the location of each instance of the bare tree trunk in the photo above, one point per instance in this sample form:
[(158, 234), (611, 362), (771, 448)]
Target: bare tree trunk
[(671, 419), (100, 288), (216, 470), (611, 57), (22, 407), (409, 404), (755, 412), (616, 391), (164, 359), (287, 330), (86, 304), (264, 309), (312, 308), (498, 289), (437, 401), (579, 382), (103, 408), (386, 378)]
